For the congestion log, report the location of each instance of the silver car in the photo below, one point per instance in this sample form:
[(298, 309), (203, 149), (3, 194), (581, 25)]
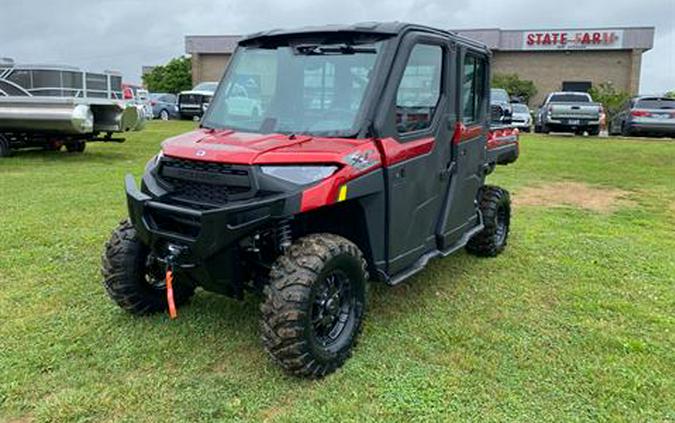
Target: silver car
[(521, 118), (645, 116)]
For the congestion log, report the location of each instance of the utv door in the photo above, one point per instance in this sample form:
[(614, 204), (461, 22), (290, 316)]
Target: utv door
[(460, 213), (416, 143)]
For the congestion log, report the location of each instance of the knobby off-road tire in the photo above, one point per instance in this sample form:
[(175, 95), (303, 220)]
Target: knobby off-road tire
[(495, 205), (133, 281), (314, 305)]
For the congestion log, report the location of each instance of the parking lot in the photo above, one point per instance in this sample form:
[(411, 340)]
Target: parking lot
[(574, 321)]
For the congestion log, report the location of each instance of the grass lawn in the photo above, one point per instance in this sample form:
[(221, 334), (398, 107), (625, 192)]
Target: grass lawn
[(575, 321)]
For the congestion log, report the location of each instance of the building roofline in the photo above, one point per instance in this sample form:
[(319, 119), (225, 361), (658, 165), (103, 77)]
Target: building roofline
[(499, 39)]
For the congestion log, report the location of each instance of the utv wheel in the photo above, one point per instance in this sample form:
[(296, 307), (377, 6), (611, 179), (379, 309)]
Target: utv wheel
[(76, 147), (5, 149), (314, 305), (133, 278), (495, 205)]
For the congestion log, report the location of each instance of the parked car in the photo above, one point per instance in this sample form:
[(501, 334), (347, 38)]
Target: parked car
[(164, 105), (569, 111), (137, 96), (500, 106), (307, 215), (143, 98), (193, 103), (645, 116), (521, 119)]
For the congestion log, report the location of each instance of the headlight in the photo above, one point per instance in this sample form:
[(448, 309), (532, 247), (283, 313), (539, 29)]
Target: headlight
[(301, 175)]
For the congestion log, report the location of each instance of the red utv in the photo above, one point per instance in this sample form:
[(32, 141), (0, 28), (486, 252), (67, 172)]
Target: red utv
[(358, 153)]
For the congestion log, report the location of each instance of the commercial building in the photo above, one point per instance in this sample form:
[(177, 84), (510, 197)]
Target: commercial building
[(554, 59)]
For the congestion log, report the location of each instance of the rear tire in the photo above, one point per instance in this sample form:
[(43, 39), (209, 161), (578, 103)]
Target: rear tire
[(314, 306), (625, 130), (495, 205), (5, 149), (76, 146), (134, 281)]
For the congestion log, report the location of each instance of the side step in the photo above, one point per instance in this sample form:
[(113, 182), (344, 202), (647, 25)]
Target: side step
[(421, 263)]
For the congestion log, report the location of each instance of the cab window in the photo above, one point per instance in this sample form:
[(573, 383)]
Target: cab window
[(473, 89), (420, 89)]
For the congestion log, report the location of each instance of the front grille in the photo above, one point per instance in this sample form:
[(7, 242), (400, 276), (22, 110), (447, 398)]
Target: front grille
[(206, 183)]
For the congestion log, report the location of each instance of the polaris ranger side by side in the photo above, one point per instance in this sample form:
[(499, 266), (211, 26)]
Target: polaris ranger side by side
[(364, 158)]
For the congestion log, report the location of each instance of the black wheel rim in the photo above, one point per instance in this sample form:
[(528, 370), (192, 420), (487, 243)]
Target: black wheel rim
[(332, 308), (502, 225)]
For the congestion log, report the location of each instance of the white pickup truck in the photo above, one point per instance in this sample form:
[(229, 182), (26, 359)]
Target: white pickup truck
[(569, 112)]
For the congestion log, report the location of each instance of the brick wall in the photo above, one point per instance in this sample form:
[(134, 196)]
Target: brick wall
[(208, 67), (549, 69)]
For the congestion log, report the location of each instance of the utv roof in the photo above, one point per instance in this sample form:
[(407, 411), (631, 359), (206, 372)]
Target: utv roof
[(383, 29)]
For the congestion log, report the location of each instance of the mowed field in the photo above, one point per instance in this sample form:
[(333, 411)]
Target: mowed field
[(575, 321)]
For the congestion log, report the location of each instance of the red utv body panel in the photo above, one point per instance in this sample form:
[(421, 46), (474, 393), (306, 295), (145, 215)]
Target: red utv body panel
[(232, 147)]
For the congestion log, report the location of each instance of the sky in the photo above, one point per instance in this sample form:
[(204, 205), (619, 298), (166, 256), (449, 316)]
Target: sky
[(124, 35)]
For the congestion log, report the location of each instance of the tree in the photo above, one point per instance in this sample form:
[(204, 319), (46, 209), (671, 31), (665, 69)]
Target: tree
[(671, 94), (515, 86), (174, 77), (612, 99)]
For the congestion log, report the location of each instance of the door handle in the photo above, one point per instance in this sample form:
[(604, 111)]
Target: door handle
[(400, 174), (449, 170)]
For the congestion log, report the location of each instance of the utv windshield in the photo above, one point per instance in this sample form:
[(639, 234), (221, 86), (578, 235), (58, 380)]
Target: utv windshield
[(314, 89)]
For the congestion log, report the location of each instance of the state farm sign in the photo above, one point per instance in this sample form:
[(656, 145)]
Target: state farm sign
[(572, 40)]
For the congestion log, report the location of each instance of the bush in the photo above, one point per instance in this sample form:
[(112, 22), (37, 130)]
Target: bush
[(515, 86), (174, 77), (611, 98), (671, 94)]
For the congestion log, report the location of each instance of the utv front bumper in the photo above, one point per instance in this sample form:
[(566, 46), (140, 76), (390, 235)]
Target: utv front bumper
[(205, 232)]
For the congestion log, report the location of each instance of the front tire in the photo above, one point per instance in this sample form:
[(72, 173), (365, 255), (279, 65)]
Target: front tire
[(495, 205), (164, 115), (314, 306), (133, 279)]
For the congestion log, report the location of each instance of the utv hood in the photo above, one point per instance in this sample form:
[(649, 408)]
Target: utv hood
[(228, 146)]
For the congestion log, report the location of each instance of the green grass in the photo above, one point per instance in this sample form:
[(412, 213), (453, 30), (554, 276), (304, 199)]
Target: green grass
[(575, 321)]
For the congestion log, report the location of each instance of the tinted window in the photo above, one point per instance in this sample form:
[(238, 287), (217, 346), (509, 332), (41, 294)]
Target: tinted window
[(473, 89), (656, 103), (572, 98), (419, 89)]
